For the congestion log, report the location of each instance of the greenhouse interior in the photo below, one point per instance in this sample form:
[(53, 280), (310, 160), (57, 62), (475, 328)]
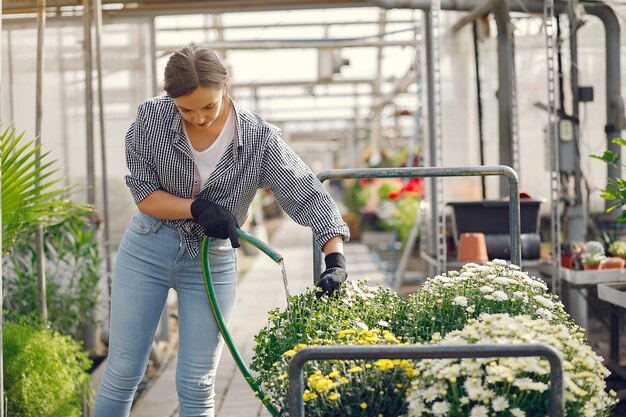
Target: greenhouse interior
[(313, 207)]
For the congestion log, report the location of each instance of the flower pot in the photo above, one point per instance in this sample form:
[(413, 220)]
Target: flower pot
[(590, 267), (566, 261), (613, 263), (472, 248)]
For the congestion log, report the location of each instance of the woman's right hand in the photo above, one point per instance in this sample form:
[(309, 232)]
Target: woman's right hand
[(216, 221)]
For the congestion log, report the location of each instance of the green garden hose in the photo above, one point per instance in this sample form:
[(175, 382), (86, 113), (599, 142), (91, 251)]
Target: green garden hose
[(217, 313)]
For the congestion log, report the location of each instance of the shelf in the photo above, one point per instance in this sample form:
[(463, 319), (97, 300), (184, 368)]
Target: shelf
[(592, 277), (614, 293)]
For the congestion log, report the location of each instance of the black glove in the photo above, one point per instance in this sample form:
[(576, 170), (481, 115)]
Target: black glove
[(333, 276), (216, 221)]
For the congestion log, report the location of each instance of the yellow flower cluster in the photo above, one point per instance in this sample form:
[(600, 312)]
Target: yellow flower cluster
[(321, 383), (293, 351), (368, 337)]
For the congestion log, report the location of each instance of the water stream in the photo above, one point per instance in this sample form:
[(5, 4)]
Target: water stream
[(283, 270)]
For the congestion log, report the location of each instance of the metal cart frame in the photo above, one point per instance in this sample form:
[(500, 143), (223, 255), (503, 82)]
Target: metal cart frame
[(296, 401), (502, 170)]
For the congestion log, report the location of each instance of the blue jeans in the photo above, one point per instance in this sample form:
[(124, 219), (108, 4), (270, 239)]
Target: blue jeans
[(150, 261)]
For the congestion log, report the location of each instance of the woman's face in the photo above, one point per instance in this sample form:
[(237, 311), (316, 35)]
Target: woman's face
[(201, 107)]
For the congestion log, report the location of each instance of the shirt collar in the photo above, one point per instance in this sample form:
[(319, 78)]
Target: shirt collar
[(177, 121)]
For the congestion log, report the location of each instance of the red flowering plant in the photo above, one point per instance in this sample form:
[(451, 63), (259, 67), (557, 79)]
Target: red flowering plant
[(386, 203)]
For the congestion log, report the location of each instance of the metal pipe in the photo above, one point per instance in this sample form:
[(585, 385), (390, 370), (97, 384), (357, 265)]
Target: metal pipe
[(41, 257), (479, 106), (90, 331), (296, 365), (430, 105), (103, 153), (614, 103), (91, 187), (514, 206), (573, 50), (291, 25), (10, 74), (505, 88), (301, 83), (129, 15), (295, 44), (482, 9)]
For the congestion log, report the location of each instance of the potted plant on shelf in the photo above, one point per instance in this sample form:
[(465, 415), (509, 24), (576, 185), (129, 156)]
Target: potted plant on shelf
[(618, 248), (593, 255), (570, 252)]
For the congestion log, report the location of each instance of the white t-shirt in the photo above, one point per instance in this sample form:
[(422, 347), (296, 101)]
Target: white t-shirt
[(206, 161)]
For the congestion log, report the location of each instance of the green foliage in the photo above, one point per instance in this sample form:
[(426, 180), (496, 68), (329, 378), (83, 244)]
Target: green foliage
[(615, 190), (357, 195), (44, 372), (30, 194), (72, 275)]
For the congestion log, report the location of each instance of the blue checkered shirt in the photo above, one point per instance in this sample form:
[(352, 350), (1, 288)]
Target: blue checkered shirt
[(158, 158)]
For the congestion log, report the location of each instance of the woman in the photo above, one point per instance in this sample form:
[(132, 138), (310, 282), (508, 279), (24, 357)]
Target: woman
[(196, 160)]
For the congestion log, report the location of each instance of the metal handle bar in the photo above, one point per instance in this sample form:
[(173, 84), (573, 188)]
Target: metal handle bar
[(296, 401), (514, 206)]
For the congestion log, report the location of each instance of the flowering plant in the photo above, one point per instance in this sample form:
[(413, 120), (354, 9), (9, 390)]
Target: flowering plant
[(618, 248), (387, 203), (446, 302), (516, 387), (593, 253), (359, 314), (450, 308)]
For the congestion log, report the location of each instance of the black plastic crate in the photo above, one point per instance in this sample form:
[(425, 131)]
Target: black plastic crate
[(491, 217)]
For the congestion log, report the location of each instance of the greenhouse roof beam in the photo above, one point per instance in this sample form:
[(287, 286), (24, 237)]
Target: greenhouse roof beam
[(162, 7), (295, 44)]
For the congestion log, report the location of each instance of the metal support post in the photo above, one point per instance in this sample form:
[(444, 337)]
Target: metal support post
[(505, 96), (41, 257)]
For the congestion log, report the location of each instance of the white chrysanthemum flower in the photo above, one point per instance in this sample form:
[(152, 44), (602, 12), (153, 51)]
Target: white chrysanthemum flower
[(517, 412), (479, 411), (534, 283), (500, 295), (486, 289), (460, 301), (543, 301), (505, 281), (527, 384), (500, 262), (440, 408), (471, 309), (362, 325), (383, 323), (545, 314), (499, 404), (431, 394)]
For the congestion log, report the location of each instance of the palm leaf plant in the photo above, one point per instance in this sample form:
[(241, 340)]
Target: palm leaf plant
[(31, 193)]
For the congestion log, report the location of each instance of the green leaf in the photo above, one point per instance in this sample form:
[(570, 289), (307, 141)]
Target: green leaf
[(32, 193), (619, 141)]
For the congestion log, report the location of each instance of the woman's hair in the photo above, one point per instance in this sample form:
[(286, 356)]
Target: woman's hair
[(192, 67)]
